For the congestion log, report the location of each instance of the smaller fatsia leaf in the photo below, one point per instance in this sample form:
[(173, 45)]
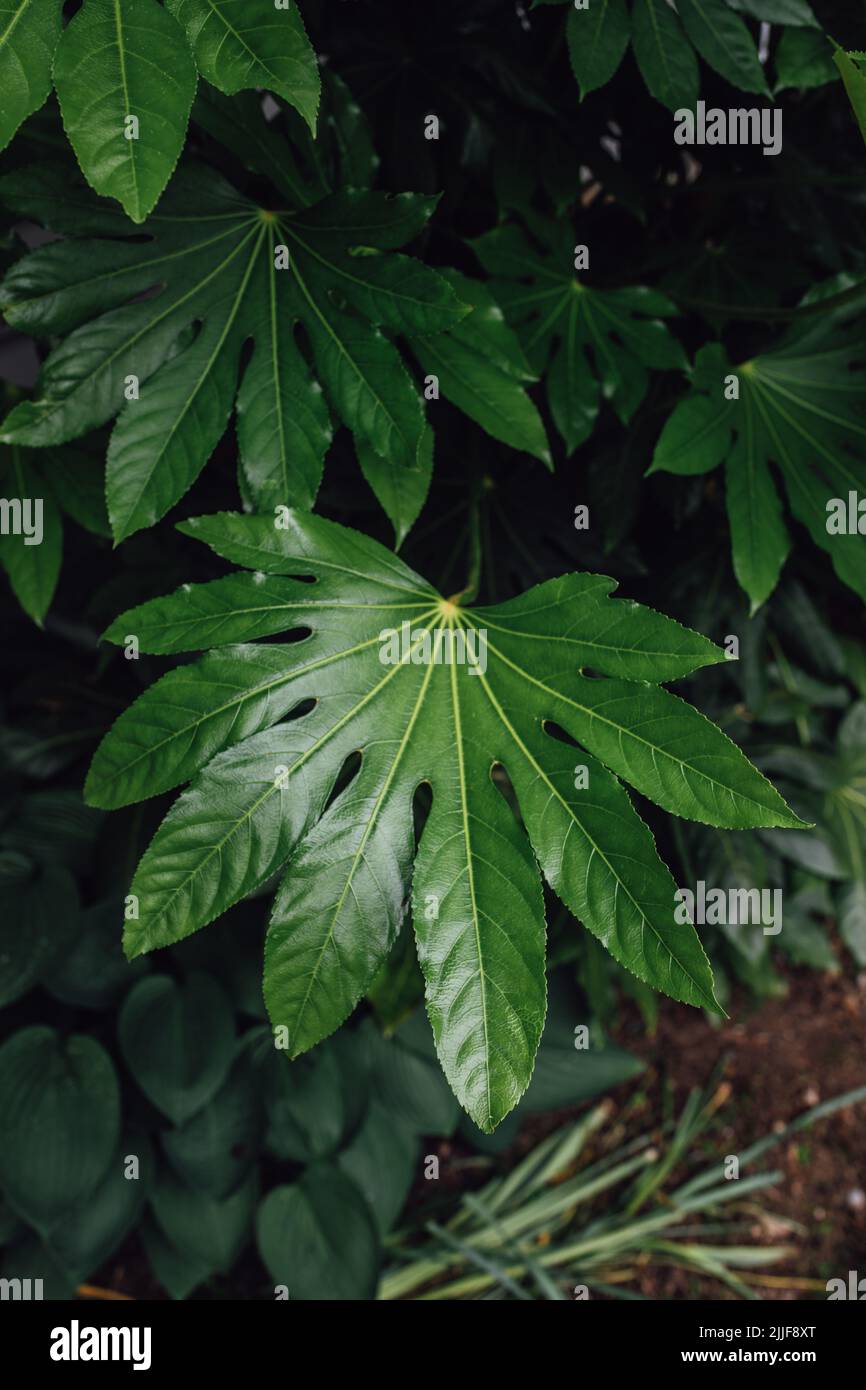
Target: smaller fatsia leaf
[(591, 345), (304, 758), (799, 408), (157, 319), (125, 81)]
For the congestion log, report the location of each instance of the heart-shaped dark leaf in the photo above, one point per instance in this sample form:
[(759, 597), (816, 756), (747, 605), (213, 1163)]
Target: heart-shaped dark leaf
[(299, 1228), (60, 1104), (177, 1040)]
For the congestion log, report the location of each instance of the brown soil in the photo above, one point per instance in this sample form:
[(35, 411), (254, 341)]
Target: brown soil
[(780, 1058), (775, 1060)]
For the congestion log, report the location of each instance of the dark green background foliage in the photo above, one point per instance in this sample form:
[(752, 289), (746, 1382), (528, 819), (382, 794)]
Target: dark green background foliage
[(235, 319)]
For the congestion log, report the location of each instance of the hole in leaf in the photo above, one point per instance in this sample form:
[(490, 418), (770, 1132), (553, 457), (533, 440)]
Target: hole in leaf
[(347, 774), (556, 731), (504, 785)]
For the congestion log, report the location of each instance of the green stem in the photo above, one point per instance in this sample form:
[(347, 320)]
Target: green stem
[(800, 719), (469, 592)]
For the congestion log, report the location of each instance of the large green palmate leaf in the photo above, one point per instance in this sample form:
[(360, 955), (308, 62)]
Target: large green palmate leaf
[(264, 731), (801, 407), (591, 344), (155, 330)]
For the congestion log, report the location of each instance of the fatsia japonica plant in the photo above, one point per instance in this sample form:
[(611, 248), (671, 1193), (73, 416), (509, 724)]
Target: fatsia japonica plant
[(522, 720), (227, 274), (802, 407), (538, 304), (197, 316)]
